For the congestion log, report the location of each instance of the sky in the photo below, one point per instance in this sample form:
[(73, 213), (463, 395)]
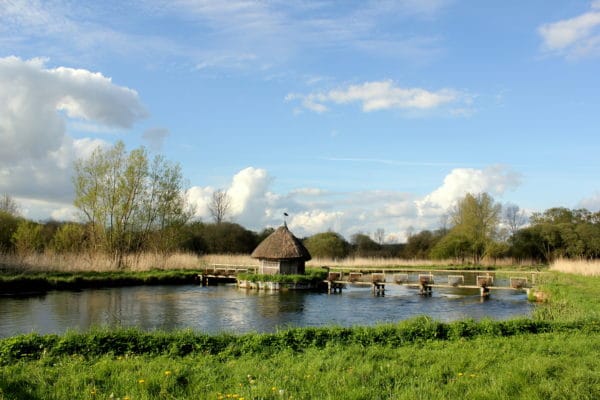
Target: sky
[(350, 116)]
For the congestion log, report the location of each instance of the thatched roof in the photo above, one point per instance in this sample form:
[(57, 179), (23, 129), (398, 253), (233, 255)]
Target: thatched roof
[(281, 245)]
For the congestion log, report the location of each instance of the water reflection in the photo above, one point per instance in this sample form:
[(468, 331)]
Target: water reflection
[(226, 308)]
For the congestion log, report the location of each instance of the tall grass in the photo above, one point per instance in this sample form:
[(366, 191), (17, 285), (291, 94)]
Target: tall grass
[(580, 267), (380, 262), (82, 262), (78, 262)]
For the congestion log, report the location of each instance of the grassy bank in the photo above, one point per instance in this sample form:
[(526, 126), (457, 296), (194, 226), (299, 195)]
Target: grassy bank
[(519, 367), (44, 281)]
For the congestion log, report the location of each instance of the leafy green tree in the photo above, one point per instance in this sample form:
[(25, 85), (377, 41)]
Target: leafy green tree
[(28, 238), (8, 227), (70, 238), (364, 246), (327, 245), (475, 221), (228, 238), (125, 197), (419, 245)]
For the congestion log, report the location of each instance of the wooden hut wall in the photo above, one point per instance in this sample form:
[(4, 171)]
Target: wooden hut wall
[(269, 267), (288, 267)]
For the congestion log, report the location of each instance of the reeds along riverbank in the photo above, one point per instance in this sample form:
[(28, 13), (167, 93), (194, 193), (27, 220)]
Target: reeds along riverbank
[(579, 267), (87, 261), (99, 262)]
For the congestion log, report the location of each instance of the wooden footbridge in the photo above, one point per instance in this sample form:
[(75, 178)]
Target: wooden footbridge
[(216, 273), (426, 281)]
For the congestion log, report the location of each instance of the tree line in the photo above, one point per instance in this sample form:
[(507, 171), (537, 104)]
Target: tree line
[(131, 203)]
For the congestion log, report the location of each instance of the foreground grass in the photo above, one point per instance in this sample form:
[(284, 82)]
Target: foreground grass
[(521, 367)]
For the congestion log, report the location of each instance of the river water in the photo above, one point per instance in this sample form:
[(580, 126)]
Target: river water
[(225, 308)]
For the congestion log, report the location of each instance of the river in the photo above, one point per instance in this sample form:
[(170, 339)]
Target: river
[(225, 308)]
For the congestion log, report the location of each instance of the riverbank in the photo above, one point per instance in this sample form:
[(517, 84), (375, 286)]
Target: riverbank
[(40, 282)]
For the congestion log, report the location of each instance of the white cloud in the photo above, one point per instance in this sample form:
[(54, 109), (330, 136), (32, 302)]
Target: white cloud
[(37, 154), (155, 137), (381, 95), (494, 180), (575, 37), (314, 210), (591, 203)]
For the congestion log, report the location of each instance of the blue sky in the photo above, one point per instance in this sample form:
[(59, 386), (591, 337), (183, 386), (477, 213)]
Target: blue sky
[(348, 115)]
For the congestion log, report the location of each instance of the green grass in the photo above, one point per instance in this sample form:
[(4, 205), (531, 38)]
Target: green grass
[(520, 367), (44, 281)]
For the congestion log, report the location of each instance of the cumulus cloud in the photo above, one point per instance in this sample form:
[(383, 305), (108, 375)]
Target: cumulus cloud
[(248, 194), (494, 180), (36, 102), (592, 202), (314, 210), (574, 37), (381, 95), (155, 138)]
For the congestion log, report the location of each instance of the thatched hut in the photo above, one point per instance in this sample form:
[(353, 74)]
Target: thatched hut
[(281, 253)]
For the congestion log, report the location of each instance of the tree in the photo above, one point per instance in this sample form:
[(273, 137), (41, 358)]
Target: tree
[(124, 198), (364, 246), (327, 245), (219, 205), (8, 227), (475, 219), (9, 205), (28, 238), (514, 218), (379, 236)]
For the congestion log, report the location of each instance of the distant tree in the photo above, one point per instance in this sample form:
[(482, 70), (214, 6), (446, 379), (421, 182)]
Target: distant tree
[(475, 220), (28, 238), (327, 245), (9, 205), (70, 238), (514, 218), (8, 226), (379, 236), (364, 246), (219, 205), (228, 238), (419, 245)]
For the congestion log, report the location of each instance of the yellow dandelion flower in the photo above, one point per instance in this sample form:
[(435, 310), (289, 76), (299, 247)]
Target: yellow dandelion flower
[(460, 374), (167, 373), (472, 375), (141, 381), (273, 388)]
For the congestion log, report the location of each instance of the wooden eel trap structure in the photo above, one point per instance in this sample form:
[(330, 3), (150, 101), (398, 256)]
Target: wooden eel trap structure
[(426, 281)]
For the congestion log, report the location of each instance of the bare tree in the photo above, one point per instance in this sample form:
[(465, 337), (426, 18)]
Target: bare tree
[(379, 236), (514, 218), (9, 205), (219, 205)]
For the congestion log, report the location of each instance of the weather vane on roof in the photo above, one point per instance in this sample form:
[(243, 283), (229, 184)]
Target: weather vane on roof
[(284, 221)]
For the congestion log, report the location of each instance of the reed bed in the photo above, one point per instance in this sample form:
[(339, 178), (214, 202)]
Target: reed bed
[(579, 267), (80, 262), (83, 262)]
